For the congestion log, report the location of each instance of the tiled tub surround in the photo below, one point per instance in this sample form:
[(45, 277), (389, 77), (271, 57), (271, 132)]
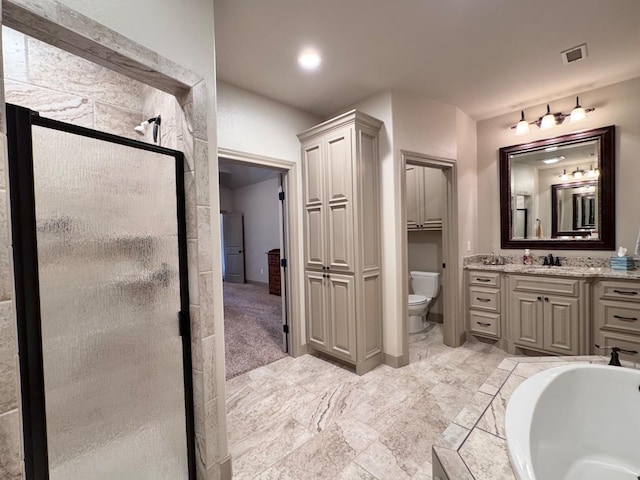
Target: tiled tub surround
[(474, 445), (305, 418)]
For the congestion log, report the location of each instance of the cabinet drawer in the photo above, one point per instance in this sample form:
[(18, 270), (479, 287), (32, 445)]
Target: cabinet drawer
[(626, 342), (484, 299), (629, 292), (621, 316), (549, 285), (484, 323), (486, 279)]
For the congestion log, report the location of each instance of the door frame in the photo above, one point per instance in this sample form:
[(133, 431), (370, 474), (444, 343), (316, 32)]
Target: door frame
[(453, 319), (20, 121), (293, 303)]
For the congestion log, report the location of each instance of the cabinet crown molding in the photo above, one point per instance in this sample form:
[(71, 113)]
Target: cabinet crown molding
[(362, 119)]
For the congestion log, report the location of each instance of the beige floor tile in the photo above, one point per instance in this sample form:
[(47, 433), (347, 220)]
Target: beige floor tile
[(486, 456)]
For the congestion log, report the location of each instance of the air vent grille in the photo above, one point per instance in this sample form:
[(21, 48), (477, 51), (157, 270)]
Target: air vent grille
[(574, 54)]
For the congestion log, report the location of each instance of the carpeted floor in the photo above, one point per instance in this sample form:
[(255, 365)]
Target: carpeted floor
[(252, 327)]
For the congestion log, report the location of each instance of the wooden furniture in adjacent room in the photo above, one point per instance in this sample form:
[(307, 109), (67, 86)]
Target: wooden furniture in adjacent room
[(274, 271)]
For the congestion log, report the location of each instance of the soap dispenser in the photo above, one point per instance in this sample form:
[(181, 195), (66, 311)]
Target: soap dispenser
[(527, 260)]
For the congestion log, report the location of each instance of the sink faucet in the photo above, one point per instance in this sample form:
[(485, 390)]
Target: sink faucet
[(548, 260)]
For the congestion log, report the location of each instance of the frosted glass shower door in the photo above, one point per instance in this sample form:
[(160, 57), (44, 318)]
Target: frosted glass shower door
[(109, 278)]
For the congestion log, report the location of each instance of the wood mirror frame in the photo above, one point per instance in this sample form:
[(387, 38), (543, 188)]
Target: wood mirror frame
[(606, 184)]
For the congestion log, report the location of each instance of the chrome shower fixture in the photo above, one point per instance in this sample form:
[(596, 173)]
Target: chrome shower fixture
[(142, 128)]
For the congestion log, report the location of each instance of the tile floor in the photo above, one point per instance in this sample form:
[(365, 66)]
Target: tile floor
[(306, 418)]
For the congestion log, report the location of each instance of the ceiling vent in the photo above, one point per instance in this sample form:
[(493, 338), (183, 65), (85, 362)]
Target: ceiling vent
[(574, 54)]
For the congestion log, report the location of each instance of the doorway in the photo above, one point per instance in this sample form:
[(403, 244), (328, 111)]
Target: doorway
[(430, 245), (254, 264), (102, 302)]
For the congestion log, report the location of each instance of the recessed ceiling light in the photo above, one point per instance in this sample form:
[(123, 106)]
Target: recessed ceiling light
[(549, 161), (309, 59), (550, 149)]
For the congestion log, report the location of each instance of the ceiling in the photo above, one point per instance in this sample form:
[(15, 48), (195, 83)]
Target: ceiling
[(487, 57), (234, 175)]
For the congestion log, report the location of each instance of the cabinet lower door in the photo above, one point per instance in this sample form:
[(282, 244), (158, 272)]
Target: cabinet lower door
[(342, 316), (526, 319), (561, 325), (316, 309)]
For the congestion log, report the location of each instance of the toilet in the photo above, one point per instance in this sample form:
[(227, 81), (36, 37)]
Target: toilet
[(425, 287)]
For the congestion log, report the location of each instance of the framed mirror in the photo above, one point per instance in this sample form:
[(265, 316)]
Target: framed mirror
[(558, 193)]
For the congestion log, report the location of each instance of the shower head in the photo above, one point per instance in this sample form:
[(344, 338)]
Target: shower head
[(142, 128)]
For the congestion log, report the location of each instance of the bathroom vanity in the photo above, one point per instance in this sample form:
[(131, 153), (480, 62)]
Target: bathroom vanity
[(553, 310)]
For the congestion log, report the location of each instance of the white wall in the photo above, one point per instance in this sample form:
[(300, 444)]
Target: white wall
[(259, 205), (617, 105), (250, 123)]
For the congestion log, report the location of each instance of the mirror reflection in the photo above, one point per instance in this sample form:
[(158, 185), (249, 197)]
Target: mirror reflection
[(544, 183), (559, 192)]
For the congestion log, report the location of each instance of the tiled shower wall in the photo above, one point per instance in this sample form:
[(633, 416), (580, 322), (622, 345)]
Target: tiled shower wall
[(63, 86)]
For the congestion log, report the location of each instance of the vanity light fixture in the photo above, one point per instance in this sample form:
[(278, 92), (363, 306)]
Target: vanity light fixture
[(577, 173), (563, 176), (551, 119), (593, 172)]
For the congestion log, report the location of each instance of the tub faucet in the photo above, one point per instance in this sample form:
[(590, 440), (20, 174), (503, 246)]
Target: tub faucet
[(615, 354)]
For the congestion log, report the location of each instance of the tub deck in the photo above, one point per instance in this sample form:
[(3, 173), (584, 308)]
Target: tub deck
[(474, 446)]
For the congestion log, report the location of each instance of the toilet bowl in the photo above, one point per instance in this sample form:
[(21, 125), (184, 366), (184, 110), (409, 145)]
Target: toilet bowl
[(425, 287)]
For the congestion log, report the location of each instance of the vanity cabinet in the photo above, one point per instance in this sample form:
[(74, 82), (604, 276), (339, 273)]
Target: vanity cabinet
[(544, 314), (341, 228), (484, 303), (424, 198), (617, 316)]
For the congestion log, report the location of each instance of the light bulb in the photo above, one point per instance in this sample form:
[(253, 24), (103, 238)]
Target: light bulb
[(309, 59), (522, 127), (564, 176), (549, 120), (578, 113)]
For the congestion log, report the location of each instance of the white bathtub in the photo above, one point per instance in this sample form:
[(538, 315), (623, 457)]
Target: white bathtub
[(576, 422)]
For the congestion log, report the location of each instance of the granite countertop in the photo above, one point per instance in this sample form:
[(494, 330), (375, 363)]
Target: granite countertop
[(569, 271), (474, 446)]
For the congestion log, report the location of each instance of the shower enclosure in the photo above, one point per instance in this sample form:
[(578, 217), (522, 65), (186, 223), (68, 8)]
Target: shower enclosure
[(99, 237)]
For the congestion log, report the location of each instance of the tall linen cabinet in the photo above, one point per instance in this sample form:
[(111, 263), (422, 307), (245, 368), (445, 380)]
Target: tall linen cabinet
[(343, 289)]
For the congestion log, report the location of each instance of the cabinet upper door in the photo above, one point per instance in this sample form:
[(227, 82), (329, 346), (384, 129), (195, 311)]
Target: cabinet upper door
[(433, 193), (412, 201), (561, 325), (339, 190), (313, 169), (526, 319)]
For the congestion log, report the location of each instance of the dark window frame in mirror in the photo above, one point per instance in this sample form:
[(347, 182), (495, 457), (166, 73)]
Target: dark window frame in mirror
[(606, 185)]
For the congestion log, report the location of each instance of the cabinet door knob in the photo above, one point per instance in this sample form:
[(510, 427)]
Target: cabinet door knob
[(539, 299), (546, 299)]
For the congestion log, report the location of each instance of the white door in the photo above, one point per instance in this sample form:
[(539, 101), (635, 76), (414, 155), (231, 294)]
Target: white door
[(233, 247)]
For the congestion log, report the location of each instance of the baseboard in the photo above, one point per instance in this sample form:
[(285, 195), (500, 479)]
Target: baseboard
[(396, 362), (255, 282)]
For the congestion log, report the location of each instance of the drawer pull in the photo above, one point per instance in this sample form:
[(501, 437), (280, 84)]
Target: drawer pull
[(483, 324), (483, 299), (625, 292), (479, 279), (629, 319)]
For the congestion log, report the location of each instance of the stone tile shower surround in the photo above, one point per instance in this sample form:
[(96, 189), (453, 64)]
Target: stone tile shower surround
[(54, 23)]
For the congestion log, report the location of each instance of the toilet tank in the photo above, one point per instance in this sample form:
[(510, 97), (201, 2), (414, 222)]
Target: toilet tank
[(425, 283)]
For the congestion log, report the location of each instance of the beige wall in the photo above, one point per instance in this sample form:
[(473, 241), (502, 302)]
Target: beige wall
[(617, 105), (259, 205)]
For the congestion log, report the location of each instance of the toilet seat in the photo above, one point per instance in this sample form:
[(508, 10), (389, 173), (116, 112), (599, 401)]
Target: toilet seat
[(417, 299)]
